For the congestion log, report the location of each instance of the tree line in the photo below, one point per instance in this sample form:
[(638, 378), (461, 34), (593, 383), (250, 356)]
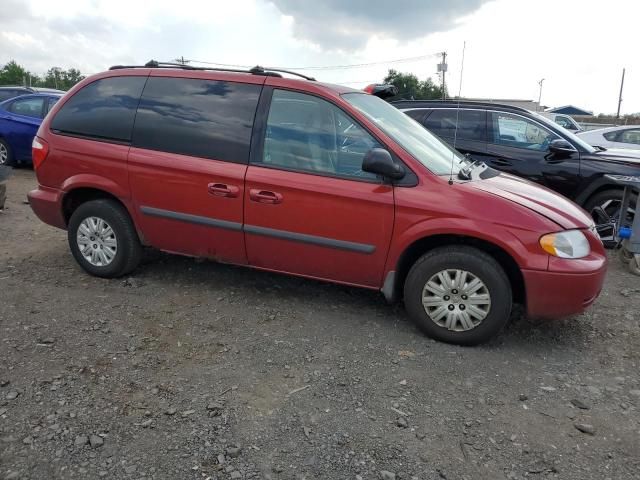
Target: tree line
[(13, 73), (410, 87)]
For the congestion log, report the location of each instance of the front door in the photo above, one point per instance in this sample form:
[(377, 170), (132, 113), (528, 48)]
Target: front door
[(189, 155), (520, 146), (309, 208)]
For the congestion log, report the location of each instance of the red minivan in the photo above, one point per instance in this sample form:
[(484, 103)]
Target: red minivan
[(317, 180)]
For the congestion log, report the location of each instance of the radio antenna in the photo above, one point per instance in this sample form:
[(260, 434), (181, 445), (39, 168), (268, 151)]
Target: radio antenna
[(455, 132)]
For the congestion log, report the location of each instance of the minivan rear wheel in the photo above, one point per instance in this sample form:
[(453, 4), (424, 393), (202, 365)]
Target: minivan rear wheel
[(103, 239), (458, 295)]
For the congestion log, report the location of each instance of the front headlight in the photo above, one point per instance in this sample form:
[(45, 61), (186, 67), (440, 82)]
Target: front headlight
[(569, 244)]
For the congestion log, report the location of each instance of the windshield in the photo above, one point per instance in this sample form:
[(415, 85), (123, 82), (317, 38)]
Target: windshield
[(409, 134), (571, 136)]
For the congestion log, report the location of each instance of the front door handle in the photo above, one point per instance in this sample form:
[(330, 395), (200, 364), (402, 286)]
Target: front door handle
[(223, 190), (265, 196)]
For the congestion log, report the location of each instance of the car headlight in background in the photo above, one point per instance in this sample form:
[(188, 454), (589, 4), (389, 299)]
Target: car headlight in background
[(569, 244)]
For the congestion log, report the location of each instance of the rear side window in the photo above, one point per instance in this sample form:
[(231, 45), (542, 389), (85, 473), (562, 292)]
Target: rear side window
[(200, 118), (472, 124), (7, 94), (416, 114), (103, 110), (28, 107)]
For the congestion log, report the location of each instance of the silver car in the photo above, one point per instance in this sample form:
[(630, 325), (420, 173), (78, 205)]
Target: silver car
[(627, 137)]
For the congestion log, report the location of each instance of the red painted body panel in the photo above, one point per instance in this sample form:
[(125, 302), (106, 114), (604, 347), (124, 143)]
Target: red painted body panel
[(503, 211), (180, 184), (326, 207), (46, 203)]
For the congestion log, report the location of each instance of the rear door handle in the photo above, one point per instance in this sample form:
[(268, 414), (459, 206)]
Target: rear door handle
[(223, 190), (265, 196)]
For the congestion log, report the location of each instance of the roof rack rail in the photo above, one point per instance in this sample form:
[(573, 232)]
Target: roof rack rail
[(265, 70), (257, 70)]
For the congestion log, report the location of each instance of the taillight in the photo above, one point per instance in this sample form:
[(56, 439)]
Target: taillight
[(39, 151)]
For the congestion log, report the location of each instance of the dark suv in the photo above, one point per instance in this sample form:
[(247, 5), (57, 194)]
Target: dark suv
[(529, 145)]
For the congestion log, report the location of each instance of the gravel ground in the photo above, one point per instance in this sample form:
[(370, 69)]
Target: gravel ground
[(194, 370)]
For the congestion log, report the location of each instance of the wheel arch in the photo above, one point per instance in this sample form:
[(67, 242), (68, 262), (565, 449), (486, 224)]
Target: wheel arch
[(422, 245)]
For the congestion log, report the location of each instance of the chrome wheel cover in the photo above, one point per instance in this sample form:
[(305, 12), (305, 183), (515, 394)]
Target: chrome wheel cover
[(4, 154), (456, 300), (97, 241)]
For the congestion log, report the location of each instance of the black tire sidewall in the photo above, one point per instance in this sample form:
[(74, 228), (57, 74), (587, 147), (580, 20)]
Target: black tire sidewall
[(479, 264), (126, 237)]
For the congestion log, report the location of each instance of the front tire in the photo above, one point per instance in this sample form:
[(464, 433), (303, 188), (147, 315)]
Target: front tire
[(103, 239), (458, 295)]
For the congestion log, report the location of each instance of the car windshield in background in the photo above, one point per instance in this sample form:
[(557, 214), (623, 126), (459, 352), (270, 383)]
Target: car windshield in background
[(572, 136), (409, 134)]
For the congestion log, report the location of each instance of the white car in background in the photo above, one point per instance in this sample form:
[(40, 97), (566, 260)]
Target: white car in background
[(563, 120), (627, 137)]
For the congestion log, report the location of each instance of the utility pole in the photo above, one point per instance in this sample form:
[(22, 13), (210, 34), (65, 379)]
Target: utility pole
[(442, 68), (620, 96), (540, 94), (182, 60)]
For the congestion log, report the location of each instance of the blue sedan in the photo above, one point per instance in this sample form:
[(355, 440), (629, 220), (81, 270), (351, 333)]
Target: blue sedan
[(20, 118)]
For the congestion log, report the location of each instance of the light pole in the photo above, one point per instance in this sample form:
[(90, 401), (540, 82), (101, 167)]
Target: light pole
[(540, 93)]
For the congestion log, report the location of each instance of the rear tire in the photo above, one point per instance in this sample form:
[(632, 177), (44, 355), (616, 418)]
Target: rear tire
[(103, 239), (610, 202), (6, 156), (474, 311)]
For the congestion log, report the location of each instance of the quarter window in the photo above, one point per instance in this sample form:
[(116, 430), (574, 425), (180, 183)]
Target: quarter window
[(28, 107), (309, 134), (471, 124), (200, 118), (520, 132), (630, 136), (104, 109)]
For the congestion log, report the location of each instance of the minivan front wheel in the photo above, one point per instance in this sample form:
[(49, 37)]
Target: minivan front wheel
[(103, 239), (458, 295)]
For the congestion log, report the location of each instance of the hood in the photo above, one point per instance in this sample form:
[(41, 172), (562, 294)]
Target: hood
[(620, 154), (541, 200)]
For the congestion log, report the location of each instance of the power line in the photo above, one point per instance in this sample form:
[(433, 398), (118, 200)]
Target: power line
[(327, 67)]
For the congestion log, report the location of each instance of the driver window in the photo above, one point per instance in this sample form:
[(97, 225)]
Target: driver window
[(520, 132), (309, 134)]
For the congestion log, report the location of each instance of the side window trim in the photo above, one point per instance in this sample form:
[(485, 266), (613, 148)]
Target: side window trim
[(260, 131)]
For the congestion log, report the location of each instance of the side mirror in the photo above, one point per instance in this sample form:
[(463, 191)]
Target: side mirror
[(379, 161), (560, 146)]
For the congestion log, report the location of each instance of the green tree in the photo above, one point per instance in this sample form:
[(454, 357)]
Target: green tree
[(62, 79), (411, 87), (13, 73)]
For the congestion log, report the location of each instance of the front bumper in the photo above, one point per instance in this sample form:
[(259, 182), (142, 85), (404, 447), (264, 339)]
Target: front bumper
[(46, 203), (560, 294)]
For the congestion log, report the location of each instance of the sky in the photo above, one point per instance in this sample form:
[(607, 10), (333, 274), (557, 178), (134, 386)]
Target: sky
[(579, 47)]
